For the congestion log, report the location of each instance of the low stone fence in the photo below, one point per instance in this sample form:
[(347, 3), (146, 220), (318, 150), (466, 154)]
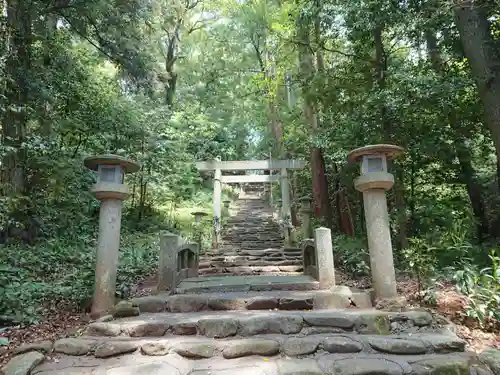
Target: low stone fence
[(317, 255), (179, 260)]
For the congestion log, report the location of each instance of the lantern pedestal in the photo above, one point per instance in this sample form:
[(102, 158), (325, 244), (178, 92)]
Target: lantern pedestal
[(225, 211), (111, 191), (373, 183)]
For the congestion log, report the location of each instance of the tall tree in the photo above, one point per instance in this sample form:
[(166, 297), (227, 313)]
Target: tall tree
[(483, 54)]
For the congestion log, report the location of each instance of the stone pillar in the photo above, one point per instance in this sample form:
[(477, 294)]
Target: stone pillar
[(111, 191), (285, 195), (167, 266), (379, 243), (324, 256), (108, 245), (216, 225), (305, 217), (271, 192), (373, 182), (285, 214)]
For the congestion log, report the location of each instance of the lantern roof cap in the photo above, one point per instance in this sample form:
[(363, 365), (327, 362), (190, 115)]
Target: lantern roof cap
[(199, 213), (390, 152), (93, 162)]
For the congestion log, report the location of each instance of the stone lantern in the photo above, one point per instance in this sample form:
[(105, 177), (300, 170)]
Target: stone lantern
[(198, 230), (373, 182), (111, 191), (226, 208), (305, 216), (198, 216)]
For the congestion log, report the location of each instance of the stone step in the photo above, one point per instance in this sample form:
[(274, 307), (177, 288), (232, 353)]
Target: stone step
[(358, 346), (230, 272), (246, 283), (217, 324), (339, 355), (250, 254), (252, 237), (243, 256), (245, 225), (339, 298), (250, 263), (253, 244), (251, 271)]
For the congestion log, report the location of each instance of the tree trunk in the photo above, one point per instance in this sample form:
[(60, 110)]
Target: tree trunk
[(467, 172), (483, 55), (307, 72), (171, 57), (275, 127), (468, 176), (346, 223), (380, 78), (16, 94)]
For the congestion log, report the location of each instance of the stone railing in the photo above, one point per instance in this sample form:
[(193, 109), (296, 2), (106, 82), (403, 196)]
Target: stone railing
[(317, 258), (178, 260)]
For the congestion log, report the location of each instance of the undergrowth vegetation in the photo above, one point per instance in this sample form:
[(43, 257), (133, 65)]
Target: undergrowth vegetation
[(60, 271), (442, 257)]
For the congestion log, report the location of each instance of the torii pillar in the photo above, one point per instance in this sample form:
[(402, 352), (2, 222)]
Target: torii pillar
[(216, 225)]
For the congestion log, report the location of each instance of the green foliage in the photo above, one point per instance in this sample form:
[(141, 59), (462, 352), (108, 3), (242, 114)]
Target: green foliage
[(482, 287), (62, 272), (420, 258), (352, 255)]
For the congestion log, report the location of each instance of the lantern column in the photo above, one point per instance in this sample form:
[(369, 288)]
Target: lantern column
[(373, 183), (111, 191), (305, 215)]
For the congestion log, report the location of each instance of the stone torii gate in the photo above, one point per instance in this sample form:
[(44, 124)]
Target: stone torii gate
[(218, 167)]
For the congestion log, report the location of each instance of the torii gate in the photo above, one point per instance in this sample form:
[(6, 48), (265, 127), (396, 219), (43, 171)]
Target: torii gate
[(218, 166)]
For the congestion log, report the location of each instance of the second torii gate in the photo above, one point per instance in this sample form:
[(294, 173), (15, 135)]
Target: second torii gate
[(218, 166)]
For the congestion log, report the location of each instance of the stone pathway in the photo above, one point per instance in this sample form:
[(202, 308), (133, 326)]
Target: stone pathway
[(252, 243), (348, 342), (256, 325)]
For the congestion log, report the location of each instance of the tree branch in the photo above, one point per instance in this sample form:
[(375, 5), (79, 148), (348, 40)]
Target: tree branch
[(88, 39)]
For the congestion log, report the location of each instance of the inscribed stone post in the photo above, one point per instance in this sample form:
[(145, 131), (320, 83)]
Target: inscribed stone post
[(324, 255), (167, 268)]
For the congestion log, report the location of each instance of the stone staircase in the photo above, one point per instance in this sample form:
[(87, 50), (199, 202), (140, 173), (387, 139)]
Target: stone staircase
[(212, 334), (252, 242), (256, 325)]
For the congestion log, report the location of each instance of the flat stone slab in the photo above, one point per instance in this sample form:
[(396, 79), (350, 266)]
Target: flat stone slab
[(260, 364), (213, 284), (218, 324), (251, 300), (265, 345), (374, 325)]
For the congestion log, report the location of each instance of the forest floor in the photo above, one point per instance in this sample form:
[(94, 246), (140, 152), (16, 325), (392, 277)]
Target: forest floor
[(60, 323)]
